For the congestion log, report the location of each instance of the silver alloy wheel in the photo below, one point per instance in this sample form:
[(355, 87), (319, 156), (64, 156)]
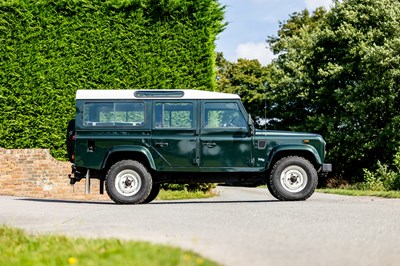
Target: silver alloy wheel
[(128, 182), (294, 178)]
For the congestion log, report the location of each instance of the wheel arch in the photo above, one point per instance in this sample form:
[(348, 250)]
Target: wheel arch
[(308, 152), (137, 153)]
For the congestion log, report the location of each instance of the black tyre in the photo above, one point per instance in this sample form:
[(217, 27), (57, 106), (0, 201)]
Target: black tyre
[(153, 193), (70, 141), (128, 182), (271, 191), (292, 178)]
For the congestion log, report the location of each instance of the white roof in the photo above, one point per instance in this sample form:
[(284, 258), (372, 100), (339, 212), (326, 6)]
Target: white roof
[(132, 94)]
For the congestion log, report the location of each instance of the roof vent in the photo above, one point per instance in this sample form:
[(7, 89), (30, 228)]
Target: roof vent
[(158, 94)]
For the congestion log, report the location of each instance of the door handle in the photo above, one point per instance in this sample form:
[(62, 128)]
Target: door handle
[(162, 144), (210, 144)]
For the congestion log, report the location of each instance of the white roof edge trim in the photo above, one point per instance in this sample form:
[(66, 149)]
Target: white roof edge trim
[(130, 94)]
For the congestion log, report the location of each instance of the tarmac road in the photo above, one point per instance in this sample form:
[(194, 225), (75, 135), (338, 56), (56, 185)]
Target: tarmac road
[(244, 226)]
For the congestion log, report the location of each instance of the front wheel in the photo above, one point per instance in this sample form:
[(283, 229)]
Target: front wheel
[(128, 182), (292, 178), (153, 193)]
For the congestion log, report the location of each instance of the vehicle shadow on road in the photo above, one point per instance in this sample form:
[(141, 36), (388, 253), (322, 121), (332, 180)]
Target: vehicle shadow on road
[(67, 201), (166, 202), (157, 202)]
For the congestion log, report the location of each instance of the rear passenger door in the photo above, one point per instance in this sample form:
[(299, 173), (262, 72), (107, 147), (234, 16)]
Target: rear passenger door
[(174, 138)]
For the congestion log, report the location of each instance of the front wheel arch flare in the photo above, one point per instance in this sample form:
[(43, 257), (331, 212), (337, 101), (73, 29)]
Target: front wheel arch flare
[(279, 154)]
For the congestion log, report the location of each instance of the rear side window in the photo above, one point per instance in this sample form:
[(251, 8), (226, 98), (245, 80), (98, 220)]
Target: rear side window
[(130, 114), (174, 115)]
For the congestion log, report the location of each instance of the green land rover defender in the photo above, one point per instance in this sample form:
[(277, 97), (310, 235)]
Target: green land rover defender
[(135, 140)]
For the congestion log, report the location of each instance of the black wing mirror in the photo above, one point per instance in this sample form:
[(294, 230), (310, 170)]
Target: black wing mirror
[(251, 125)]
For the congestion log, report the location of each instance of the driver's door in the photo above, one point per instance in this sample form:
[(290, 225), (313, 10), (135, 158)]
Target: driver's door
[(225, 141)]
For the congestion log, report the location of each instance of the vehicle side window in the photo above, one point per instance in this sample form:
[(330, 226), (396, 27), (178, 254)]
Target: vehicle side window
[(223, 115), (174, 115), (114, 114)]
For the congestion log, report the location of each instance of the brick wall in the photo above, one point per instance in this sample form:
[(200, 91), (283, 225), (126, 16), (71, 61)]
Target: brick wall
[(35, 173)]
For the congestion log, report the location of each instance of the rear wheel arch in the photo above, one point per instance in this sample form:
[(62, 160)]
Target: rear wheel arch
[(115, 156)]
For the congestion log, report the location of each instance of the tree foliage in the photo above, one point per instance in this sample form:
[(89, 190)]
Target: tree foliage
[(385, 177), (51, 48), (248, 79), (337, 74)]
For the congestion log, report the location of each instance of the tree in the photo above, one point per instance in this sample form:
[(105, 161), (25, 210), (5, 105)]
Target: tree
[(248, 79), (337, 74), (49, 49)]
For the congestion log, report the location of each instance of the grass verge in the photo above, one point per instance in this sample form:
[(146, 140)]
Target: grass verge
[(354, 192), (184, 194), (20, 248)]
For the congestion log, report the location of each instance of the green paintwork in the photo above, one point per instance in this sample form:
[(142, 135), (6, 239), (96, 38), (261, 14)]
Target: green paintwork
[(295, 147), (174, 148), (197, 148), (130, 148), (225, 149)]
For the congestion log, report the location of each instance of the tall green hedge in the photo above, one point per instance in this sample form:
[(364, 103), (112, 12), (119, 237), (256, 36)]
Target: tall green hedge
[(51, 48)]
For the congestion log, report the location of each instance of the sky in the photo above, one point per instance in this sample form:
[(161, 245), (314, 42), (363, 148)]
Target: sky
[(250, 22)]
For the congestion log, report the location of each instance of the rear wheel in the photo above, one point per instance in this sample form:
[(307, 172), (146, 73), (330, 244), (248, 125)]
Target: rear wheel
[(128, 182), (292, 178)]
